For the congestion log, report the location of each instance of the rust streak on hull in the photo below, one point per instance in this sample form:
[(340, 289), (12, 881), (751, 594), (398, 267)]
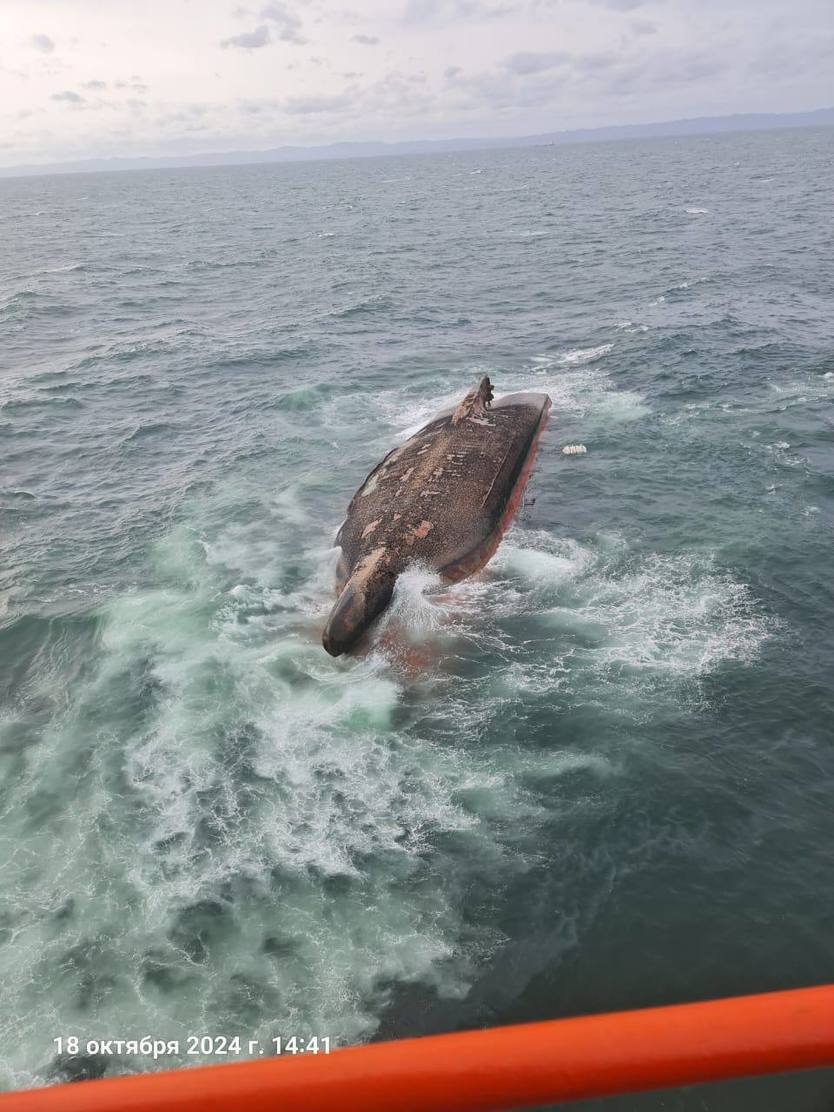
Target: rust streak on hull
[(480, 556)]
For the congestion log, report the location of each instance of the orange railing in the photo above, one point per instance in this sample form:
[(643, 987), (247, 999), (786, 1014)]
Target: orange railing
[(501, 1068)]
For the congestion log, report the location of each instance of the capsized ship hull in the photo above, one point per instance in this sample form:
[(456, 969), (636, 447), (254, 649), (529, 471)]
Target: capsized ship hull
[(443, 499)]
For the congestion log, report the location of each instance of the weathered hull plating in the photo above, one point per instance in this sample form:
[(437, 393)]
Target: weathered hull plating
[(444, 499)]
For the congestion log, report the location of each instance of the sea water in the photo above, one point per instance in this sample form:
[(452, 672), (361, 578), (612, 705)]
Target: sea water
[(599, 775)]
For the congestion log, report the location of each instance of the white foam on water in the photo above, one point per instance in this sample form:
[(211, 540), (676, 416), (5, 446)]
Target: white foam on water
[(586, 355), (603, 625), (794, 392), (261, 790), (542, 560), (575, 381), (620, 618), (563, 761), (259, 774), (676, 615), (687, 284), (407, 415), (415, 614), (586, 391), (537, 679)]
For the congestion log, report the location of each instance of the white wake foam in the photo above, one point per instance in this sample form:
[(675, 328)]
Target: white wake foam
[(585, 355)]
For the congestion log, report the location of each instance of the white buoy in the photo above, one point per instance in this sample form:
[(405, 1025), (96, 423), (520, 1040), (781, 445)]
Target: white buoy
[(574, 450)]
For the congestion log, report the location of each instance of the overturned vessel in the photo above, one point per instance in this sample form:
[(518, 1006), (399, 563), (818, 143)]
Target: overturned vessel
[(443, 499)]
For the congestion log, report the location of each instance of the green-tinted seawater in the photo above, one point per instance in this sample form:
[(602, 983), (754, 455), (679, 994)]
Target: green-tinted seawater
[(609, 781)]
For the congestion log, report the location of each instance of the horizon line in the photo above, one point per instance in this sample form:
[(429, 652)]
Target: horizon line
[(374, 148)]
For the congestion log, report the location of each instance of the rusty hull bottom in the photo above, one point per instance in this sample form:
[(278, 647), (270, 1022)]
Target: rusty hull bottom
[(483, 553)]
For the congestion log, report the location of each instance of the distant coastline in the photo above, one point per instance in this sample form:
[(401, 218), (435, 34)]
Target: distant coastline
[(704, 125)]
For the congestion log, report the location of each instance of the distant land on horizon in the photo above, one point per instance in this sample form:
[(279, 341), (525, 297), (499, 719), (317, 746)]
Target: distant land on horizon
[(702, 125)]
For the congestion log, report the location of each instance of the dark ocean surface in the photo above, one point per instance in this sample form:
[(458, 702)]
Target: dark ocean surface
[(609, 782)]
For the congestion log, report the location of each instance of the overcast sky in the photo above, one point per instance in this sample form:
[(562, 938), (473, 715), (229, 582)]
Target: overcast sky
[(85, 78)]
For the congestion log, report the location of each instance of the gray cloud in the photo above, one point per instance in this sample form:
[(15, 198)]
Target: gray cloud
[(491, 67), (280, 24), (286, 23), (394, 97), (684, 67), (257, 107), (477, 9), (249, 40), (620, 5), (314, 105), (529, 62), (791, 60), (43, 43), (425, 11), (659, 74), (534, 81), (192, 112), (590, 63), (417, 11)]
